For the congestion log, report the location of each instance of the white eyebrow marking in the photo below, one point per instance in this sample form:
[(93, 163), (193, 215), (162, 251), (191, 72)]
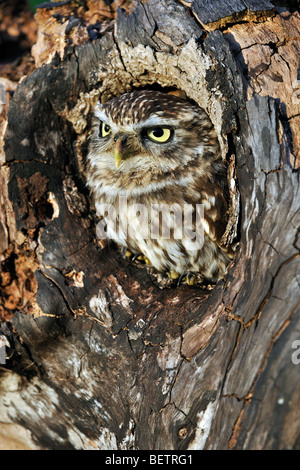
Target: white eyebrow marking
[(155, 120), (100, 114)]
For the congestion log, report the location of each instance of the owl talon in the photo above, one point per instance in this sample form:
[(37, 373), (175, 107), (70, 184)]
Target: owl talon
[(126, 253), (187, 278), (191, 280), (173, 275), (140, 257)]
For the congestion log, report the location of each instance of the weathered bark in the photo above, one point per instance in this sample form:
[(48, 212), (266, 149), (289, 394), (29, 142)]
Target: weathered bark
[(100, 354)]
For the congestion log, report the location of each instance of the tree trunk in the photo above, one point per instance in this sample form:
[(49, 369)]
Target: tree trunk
[(100, 354)]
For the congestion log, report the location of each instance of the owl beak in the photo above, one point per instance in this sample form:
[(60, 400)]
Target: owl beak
[(121, 148), (118, 153)]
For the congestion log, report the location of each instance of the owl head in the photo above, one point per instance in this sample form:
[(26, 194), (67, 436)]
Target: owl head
[(149, 131)]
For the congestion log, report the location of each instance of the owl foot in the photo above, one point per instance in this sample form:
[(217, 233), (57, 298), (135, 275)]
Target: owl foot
[(173, 275), (137, 256), (141, 258), (126, 253), (187, 278)]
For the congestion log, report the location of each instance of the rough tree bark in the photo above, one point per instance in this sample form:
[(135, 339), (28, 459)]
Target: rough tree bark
[(99, 354)]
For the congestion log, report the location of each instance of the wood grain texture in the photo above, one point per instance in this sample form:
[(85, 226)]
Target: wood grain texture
[(216, 14), (101, 356), (268, 57)]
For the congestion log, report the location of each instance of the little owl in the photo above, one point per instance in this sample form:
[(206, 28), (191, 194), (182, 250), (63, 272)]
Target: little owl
[(149, 152)]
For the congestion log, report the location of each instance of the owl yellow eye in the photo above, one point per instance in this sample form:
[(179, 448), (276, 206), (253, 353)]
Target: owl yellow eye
[(104, 129), (159, 134)]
